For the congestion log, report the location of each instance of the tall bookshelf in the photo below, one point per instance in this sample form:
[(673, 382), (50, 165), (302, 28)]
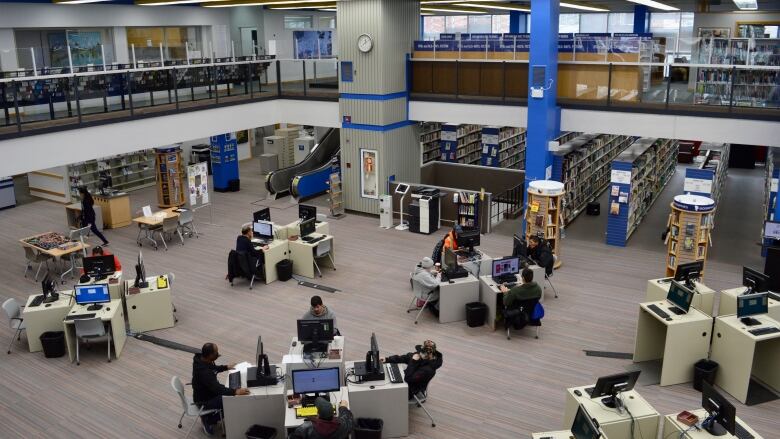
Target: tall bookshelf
[(771, 193), (708, 176), (430, 136), (637, 178), (170, 177), (128, 172), (690, 226), (461, 143), (543, 213), (583, 165), (468, 210), (503, 147)]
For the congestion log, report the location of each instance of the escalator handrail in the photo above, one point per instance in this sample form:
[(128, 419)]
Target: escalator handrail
[(315, 155)]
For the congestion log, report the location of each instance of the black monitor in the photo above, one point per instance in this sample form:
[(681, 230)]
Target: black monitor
[(680, 296), (99, 266), (316, 381), (752, 304), (468, 239), (140, 273), (49, 290), (519, 247), (689, 272), (374, 370), (611, 385), (263, 230), (583, 426), (312, 333), (772, 269), (722, 414), (754, 280), (450, 259), (262, 215), (306, 212), (307, 227)]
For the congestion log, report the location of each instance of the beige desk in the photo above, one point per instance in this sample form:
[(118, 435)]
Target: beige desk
[(291, 422), (741, 354), (673, 428), (302, 256), (44, 318), (490, 295), (294, 229), (73, 216), (562, 434), (264, 406), (278, 250), (453, 297), (58, 253), (112, 313), (150, 308), (728, 303), (678, 343), (115, 286), (294, 359), (382, 400), (116, 209), (612, 423), (703, 298)]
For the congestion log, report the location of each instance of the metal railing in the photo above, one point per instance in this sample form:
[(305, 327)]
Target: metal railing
[(507, 205)]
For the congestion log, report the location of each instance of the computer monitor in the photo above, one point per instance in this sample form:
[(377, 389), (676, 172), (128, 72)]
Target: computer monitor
[(722, 414), (316, 380), (262, 215), (312, 333), (91, 294), (519, 247), (468, 239), (140, 273), (583, 426), (752, 304), (307, 227), (611, 385), (688, 272), (263, 230), (754, 280), (450, 258), (772, 230), (680, 296), (772, 270), (306, 212), (99, 266), (506, 266)]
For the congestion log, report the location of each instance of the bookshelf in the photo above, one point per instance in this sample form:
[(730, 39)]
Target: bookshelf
[(430, 136), (583, 165), (771, 207), (335, 195), (708, 177), (170, 177), (503, 147), (543, 213), (128, 172), (468, 210), (461, 143), (637, 178), (690, 226)]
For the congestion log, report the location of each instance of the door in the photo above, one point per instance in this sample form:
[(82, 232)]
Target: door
[(248, 41)]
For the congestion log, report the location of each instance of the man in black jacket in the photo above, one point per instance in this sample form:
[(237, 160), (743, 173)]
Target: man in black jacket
[(541, 254), (324, 426), (421, 366), (244, 244), (207, 392)]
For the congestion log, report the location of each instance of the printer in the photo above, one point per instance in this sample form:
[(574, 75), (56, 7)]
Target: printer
[(424, 210)]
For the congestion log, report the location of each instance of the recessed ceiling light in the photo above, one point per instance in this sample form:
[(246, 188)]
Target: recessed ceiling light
[(506, 8), (582, 8), (655, 4), (747, 5)]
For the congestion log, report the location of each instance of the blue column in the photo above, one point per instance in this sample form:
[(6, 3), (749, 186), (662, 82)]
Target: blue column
[(641, 18), (517, 22), (422, 27)]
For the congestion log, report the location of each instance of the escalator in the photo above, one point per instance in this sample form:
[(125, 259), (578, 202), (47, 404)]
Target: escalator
[(309, 177)]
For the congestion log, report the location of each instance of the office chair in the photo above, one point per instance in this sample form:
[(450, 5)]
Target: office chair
[(94, 330), (419, 309), (15, 321), (187, 223), (34, 257), (190, 408), (245, 265), (527, 307), (323, 249), (80, 235), (169, 227), (420, 397), (148, 232), (547, 277)]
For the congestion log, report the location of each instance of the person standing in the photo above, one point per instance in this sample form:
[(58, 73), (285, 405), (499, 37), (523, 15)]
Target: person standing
[(88, 214)]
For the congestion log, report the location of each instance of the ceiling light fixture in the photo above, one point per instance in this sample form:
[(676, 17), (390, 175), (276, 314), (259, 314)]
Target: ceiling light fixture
[(655, 4), (172, 2), (506, 8), (231, 4), (78, 2), (583, 8), (470, 11), (746, 5)]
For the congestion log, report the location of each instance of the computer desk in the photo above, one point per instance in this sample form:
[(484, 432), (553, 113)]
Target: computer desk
[(490, 295), (114, 281), (149, 308), (111, 312), (741, 354), (291, 422), (302, 255), (477, 265), (678, 343), (728, 303), (612, 423), (45, 317), (562, 434), (382, 400), (264, 406), (453, 297), (703, 298), (673, 428), (294, 359), (294, 228), (278, 250)]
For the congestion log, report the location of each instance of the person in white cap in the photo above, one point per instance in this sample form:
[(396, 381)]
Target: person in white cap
[(425, 282)]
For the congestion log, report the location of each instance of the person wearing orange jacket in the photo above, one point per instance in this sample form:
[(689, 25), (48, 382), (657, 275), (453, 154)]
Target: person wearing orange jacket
[(451, 239), (100, 251)]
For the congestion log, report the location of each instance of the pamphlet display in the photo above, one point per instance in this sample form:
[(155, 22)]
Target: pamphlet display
[(198, 184)]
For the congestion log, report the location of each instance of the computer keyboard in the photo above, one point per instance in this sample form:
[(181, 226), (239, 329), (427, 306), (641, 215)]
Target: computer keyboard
[(741, 433), (37, 301), (510, 285), (657, 310), (394, 373), (677, 311), (80, 316), (234, 380), (311, 240), (764, 331)]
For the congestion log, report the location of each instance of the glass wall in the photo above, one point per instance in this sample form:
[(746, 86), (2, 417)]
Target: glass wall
[(50, 47), (176, 42), (433, 25)]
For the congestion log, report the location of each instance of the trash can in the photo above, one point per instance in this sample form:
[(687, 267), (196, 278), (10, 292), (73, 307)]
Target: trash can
[(368, 428), (234, 185), (53, 344), (284, 270), (260, 432), (475, 314), (594, 208), (704, 370)]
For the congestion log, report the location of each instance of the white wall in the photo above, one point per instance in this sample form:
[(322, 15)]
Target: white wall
[(8, 58)]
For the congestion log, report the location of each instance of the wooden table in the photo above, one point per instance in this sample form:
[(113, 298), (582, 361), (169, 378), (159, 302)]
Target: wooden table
[(146, 224), (57, 252)]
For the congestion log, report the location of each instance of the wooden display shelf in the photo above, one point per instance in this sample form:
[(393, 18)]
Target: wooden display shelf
[(543, 214), (690, 225)]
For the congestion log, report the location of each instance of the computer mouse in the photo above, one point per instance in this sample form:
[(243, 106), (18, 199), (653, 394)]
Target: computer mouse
[(108, 309), (295, 343), (371, 387), (668, 319), (578, 393)]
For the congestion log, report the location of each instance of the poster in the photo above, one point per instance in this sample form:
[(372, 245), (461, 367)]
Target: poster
[(84, 48), (198, 183), (312, 44), (369, 180), (242, 136)]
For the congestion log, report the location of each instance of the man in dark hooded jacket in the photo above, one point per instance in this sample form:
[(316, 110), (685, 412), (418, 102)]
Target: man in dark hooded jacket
[(324, 426), (421, 366), (207, 391)]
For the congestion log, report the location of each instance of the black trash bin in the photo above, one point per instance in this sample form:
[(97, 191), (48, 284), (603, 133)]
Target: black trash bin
[(53, 344), (260, 432), (704, 370), (475, 314), (284, 270), (368, 428)]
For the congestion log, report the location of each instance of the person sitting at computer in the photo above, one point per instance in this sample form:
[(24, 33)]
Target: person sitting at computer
[(324, 426), (100, 251), (318, 311), (528, 290), (244, 244), (540, 253), (421, 366), (425, 283), (207, 392), (451, 240)]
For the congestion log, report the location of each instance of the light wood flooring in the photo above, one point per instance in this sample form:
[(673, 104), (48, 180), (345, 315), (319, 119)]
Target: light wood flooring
[(488, 388)]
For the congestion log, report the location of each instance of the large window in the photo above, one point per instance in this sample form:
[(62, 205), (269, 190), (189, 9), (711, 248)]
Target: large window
[(500, 24), (593, 23), (569, 23), (176, 42), (457, 24), (621, 22), (480, 24), (677, 27), (297, 22), (50, 47), (433, 25)]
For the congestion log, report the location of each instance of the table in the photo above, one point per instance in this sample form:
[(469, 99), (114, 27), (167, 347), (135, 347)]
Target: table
[(703, 298), (672, 428), (302, 255), (294, 359), (116, 209), (678, 342), (294, 228), (44, 318), (149, 308), (741, 354), (382, 400), (562, 434), (728, 303), (73, 216), (146, 223), (114, 282), (291, 422), (612, 423), (278, 250), (490, 295), (58, 252), (264, 405), (453, 297), (112, 313)]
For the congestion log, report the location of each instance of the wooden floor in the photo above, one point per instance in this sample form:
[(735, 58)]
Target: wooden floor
[(488, 388)]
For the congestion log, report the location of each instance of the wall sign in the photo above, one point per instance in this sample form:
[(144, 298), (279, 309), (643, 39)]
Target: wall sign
[(623, 177), (698, 185)]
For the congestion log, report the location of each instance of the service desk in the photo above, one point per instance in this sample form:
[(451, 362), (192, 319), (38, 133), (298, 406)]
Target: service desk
[(291, 422), (679, 341), (728, 303), (278, 250), (149, 308), (44, 318), (295, 359), (116, 209), (703, 298), (303, 254), (382, 400), (111, 313), (114, 281), (612, 423), (741, 354), (73, 216), (673, 428), (264, 406), (453, 297)]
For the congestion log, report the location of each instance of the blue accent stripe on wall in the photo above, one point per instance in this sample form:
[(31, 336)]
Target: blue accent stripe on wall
[(379, 128), (373, 97)]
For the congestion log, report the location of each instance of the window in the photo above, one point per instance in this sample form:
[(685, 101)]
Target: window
[(176, 42), (593, 23), (568, 23), (457, 24), (297, 22), (480, 24), (500, 24), (432, 27), (677, 28), (327, 22), (621, 22)]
